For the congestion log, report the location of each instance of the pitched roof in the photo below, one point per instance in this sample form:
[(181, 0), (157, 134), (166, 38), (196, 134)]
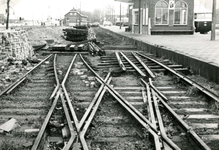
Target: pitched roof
[(76, 11)]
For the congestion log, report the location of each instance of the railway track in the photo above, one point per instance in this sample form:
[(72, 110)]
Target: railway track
[(192, 104), (124, 100), (27, 105)]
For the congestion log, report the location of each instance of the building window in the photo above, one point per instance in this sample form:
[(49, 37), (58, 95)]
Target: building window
[(161, 13), (136, 17), (67, 19), (180, 15), (71, 14)]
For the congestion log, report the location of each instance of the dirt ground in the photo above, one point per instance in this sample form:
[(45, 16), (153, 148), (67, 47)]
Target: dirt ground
[(38, 36)]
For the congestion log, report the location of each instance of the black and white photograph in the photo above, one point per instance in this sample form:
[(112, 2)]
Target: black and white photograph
[(109, 74)]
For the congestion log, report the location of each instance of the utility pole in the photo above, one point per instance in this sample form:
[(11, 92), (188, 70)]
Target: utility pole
[(7, 21), (80, 15), (213, 20), (120, 17)]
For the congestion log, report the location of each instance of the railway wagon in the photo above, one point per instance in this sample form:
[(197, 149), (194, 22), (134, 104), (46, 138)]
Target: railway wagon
[(203, 22)]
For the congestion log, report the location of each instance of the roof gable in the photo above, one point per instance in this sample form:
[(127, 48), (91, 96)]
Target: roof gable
[(75, 11)]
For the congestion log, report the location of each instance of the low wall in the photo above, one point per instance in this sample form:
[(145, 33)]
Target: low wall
[(204, 69), (15, 44)]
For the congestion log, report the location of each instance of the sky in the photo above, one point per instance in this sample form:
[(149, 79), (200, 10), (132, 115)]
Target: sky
[(41, 9)]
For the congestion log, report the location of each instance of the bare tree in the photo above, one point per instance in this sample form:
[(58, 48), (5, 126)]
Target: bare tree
[(8, 13), (96, 14), (110, 12), (8, 9)]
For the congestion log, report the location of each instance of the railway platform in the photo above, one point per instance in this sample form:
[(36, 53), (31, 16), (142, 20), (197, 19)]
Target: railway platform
[(196, 52)]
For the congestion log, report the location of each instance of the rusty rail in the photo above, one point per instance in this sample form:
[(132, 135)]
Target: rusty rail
[(21, 79)]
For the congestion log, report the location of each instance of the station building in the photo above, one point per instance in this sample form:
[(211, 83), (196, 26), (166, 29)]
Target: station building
[(73, 18), (161, 16)]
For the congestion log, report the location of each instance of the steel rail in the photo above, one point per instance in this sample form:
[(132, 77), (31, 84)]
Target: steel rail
[(132, 110), (151, 95), (120, 61), (17, 82), (58, 92), (133, 65), (69, 121), (187, 80), (200, 143), (144, 124), (56, 78), (150, 107), (151, 117), (73, 114), (144, 65), (46, 121), (156, 90), (92, 113), (82, 121), (159, 118), (67, 96)]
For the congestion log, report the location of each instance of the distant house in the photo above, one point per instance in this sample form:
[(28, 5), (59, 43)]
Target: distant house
[(73, 17)]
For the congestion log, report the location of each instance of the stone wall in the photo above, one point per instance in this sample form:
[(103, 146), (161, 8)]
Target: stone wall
[(15, 44)]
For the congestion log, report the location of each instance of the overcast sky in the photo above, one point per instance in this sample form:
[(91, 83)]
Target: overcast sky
[(41, 9)]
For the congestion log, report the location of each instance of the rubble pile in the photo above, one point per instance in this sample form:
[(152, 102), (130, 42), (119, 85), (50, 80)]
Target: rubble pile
[(16, 56), (15, 44), (79, 70)]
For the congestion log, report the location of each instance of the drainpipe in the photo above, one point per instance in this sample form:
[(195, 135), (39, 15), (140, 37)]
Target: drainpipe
[(213, 20), (120, 17), (140, 18)]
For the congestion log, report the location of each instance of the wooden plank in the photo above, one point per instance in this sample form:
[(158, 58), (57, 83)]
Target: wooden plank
[(165, 87), (173, 92), (197, 103), (191, 110), (179, 97), (205, 116), (204, 125), (128, 88), (211, 137)]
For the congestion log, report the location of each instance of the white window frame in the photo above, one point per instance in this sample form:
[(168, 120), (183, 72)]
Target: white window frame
[(162, 10), (145, 14), (133, 16), (186, 14)]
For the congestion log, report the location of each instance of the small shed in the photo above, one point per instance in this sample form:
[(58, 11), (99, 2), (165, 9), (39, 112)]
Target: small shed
[(74, 17), (161, 16)]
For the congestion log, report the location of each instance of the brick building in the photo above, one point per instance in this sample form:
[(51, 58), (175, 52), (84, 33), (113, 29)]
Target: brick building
[(73, 17), (161, 16)]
